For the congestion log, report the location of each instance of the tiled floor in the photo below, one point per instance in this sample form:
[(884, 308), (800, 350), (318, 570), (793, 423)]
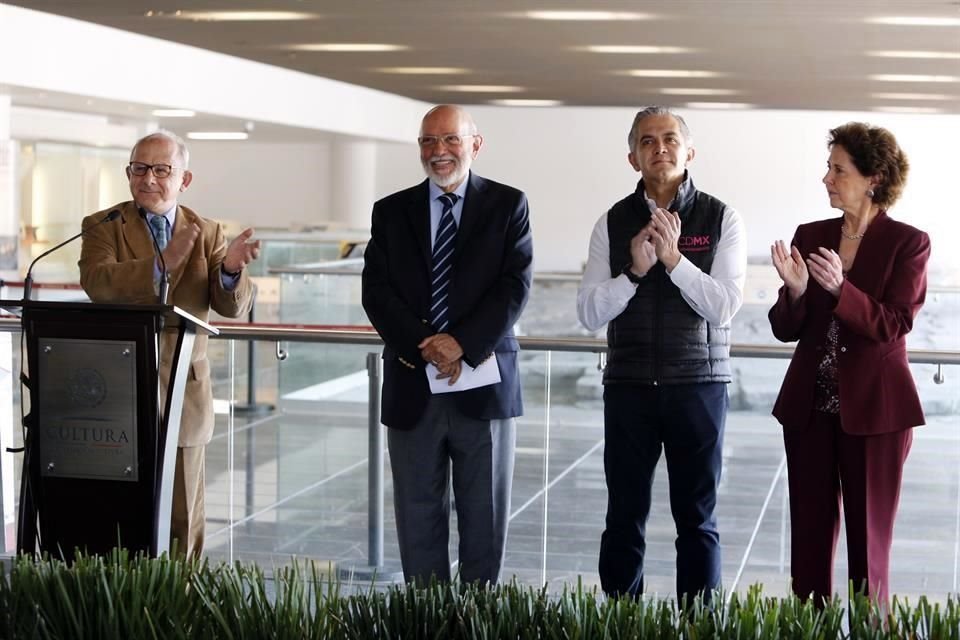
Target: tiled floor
[(308, 495)]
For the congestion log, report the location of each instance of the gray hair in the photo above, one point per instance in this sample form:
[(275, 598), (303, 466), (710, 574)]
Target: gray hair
[(164, 134), (658, 110)]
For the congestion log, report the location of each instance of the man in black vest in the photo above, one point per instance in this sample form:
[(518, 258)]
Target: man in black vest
[(665, 273)]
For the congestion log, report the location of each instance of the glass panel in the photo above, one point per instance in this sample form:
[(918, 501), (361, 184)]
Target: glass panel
[(322, 299), (525, 536), (300, 473)]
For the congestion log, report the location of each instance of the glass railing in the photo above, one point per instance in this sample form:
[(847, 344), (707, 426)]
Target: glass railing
[(295, 480)]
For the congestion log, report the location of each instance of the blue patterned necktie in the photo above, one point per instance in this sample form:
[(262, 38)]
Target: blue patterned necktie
[(442, 262), (159, 225)]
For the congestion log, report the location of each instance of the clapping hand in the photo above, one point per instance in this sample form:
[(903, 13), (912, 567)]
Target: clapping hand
[(643, 254), (790, 267), (827, 269), (241, 252), (665, 230)]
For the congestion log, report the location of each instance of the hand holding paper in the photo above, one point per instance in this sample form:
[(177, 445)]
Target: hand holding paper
[(486, 373), (440, 348)]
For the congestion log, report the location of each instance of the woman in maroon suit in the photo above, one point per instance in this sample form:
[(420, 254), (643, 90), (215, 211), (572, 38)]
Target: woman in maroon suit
[(851, 288)]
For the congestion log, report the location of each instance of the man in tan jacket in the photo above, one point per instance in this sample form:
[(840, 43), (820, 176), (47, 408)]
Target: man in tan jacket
[(119, 264)]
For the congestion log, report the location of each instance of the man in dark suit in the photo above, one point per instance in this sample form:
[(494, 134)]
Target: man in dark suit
[(446, 274)]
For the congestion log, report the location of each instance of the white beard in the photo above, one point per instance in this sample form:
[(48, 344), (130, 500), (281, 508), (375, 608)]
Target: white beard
[(459, 173)]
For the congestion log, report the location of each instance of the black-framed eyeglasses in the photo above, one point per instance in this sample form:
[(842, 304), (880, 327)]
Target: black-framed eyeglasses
[(159, 170), (449, 140)]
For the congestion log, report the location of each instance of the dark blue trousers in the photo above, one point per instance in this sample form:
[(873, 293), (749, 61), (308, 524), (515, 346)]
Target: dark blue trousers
[(686, 422)]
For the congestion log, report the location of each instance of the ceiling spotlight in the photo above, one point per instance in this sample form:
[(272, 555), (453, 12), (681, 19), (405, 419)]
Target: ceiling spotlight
[(669, 73), (923, 55), (697, 91), (915, 21), (906, 77), (633, 48), (927, 110), (516, 102), (910, 96), (481, 88), (218, 135), (233, 16), (425, 71), (348, 47), (720, 105), (585, 16)]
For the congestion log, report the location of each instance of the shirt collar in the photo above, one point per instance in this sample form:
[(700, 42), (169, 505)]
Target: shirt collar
[(683, 193), (461, 191)]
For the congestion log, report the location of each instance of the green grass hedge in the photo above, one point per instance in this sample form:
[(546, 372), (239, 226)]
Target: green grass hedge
[(123, 597)]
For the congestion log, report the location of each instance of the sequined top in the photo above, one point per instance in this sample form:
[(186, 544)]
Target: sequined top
[(826, 396)]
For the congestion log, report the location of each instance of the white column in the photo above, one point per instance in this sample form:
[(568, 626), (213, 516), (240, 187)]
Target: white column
[(9, 222), (9, 243), (353, 175)]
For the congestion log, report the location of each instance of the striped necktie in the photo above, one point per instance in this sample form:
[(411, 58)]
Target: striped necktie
[(159, 226), (442, 262)]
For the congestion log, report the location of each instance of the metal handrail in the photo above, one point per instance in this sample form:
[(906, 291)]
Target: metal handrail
[(367, 336)]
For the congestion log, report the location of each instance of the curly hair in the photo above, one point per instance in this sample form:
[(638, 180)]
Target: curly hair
[(874, 152)]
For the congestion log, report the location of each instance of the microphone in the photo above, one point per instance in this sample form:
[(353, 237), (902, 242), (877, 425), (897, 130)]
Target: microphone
[(164, 274), (28, 281)]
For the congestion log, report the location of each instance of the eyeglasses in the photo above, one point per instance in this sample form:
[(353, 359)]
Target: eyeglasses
[(159, 170), (449, 140)]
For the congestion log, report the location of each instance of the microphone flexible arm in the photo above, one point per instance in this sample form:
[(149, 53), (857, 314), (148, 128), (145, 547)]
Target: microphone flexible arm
[(164, 274), (28, 280)]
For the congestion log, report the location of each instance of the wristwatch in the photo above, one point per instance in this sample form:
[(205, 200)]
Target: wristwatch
[(631, 276), (228, 274)]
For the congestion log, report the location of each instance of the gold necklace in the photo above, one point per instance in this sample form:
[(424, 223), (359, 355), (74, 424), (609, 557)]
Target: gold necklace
[(848, 236)]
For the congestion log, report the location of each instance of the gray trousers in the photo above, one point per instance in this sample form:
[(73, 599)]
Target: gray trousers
[(481, 454)]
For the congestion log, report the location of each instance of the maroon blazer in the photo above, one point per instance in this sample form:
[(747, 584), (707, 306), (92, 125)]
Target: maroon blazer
[(878, 301)]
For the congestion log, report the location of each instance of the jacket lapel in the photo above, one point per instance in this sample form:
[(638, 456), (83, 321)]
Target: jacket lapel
[(135, 232), (472, 205), (418, 215)]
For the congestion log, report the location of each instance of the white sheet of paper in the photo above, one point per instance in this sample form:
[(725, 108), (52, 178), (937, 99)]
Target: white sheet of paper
[(487, 373)]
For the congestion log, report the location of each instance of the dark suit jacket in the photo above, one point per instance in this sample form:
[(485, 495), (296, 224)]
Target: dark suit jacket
[(878, 302), (116, 265), (491, 274)]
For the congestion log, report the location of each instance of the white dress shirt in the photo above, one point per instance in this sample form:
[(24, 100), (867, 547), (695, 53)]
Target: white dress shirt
[(716, 296)]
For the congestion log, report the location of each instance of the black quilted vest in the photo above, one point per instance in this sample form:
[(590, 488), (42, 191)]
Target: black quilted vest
[(659, 338)]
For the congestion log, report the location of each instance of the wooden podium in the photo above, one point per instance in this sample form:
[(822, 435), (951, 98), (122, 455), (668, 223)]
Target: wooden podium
[(99, 448)]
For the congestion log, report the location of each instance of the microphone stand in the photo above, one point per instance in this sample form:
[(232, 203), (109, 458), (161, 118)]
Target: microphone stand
[(164, 274), (28, 280)]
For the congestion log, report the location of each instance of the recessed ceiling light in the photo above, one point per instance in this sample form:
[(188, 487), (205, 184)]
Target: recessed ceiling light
[(908, 109), (910, 96), (348, 47), (720, 105), (425, 71), (906, 77), (697, 91), (668, 73), (481, 88), (173, 113), (233, 16), (925, 55), (218, 135), (585, 15), (633, 48), (515, 102), (915, 21)]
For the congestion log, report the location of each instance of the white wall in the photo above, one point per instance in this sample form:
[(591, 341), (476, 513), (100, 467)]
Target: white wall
[(768, 164), (270, 185)]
